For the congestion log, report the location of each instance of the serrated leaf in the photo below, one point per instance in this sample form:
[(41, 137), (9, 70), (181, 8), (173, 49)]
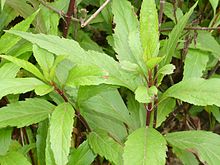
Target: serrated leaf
[(164, 108), (18, 85), (24, 113), (150, 146), (105, 146), (170, 44), (149, 29), (5, 140), (77, 55), (142, 95), (206, 145), (44, 58), (126, 36), (14, 158), (7, 40), (24, 64), (43, 89), (195, 63), (86, 75), (186, 158), (83, 155), (196, 91), (61, 125)]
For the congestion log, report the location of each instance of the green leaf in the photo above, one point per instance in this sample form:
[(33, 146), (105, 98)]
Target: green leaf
[(164, 109), (206, 145), (61, 125), (7, 40), (18, 85), (8, 70), (86, 92), (196, 91), (109, 103), (86, 75), (205, 41), (5, 140), (128, 66), (214, 4), (41, 141), (195, 64), (145, 146), (136, 111), (127, 42), (77, 55), (153, 61), (186, 158), (2, 4), (214, 110), (14, 158), (169, 12), (105, 146), (43, 89), (83, 155), (44, 58), (24, 64), (170, 44), (149, 29), (165, 70), (24, 113), (142, 95), (49, 156)]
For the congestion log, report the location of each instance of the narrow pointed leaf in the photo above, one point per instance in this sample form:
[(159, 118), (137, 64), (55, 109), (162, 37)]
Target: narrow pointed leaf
[(18, 85), (61, 126), (150, 146), (170, 44), (126, 36), (196, 91), (24, 113), (7, 40), (206, 145), (77, 55), (105, 146), (2, 4), (44, 58), (24, 64), (8, 70), (149, 29)]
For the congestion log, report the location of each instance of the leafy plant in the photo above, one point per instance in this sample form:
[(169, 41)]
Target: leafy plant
[(71, 100)]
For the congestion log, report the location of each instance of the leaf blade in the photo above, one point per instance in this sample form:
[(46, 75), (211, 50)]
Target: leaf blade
[(61, 125), (149, 143)]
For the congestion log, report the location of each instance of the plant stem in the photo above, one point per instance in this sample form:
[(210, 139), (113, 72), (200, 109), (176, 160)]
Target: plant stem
[(69, 14), (149, 106), (162, 2), (60, 12), (95, 14)]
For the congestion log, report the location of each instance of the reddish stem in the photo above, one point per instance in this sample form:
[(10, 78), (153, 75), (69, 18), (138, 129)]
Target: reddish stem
[(69, 13)]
